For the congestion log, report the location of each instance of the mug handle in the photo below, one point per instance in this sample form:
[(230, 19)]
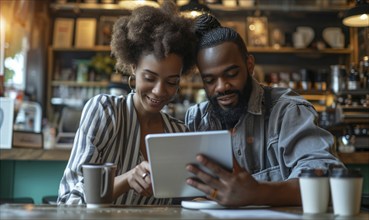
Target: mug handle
[(106, 181)]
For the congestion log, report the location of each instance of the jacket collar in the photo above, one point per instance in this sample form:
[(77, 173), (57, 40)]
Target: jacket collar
[(256, 98)]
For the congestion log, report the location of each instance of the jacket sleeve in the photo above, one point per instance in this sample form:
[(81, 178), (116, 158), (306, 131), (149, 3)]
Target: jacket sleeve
[(301, 143), (190, 117)]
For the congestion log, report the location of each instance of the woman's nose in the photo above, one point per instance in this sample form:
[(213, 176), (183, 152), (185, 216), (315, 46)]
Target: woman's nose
[(159, 89)]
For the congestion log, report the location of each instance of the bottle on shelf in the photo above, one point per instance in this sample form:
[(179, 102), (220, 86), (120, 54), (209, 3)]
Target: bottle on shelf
[(364, 72), (306, 76), (353, 82), (294, 83), (274, 79), (338, 75), (321, 80)]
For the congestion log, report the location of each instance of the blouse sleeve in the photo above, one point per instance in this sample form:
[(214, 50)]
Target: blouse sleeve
[(90, 140)]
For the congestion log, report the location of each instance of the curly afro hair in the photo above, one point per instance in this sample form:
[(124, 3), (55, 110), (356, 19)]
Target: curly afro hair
[(159, 31)]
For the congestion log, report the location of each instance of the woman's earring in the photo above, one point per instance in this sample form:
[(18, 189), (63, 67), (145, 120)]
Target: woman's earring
[(131, 78)]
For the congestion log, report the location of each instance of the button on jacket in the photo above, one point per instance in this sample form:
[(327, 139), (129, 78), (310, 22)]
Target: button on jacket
[(277, 148)]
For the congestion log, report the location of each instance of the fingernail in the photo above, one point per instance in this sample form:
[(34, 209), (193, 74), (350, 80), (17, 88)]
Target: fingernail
[(189, 181), (200, 158)]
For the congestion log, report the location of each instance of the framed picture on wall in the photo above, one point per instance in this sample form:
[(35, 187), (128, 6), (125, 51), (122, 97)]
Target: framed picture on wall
[(105, 30), (63, 32), (257, 31), (85, 32)]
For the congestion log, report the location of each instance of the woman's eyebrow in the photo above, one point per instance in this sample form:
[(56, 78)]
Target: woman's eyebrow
[(157, 74)]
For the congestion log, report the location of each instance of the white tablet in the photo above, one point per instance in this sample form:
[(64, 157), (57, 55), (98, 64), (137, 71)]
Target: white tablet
[(169, 153)]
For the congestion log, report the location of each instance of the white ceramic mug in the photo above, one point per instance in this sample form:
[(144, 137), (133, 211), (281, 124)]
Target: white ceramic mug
[(346, 187), (98, 184), (298, 40), (314, 188)]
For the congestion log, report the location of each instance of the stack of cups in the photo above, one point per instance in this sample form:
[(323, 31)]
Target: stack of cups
[(345, 186)]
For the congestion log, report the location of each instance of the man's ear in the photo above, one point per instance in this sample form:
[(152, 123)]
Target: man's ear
[(250, 63)]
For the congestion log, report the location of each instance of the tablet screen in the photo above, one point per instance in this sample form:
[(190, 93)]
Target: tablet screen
[(169, 153)]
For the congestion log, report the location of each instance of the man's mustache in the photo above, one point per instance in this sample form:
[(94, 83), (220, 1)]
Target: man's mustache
[(228, 92)]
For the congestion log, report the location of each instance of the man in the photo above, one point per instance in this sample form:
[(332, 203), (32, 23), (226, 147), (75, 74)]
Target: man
[(274, 131)]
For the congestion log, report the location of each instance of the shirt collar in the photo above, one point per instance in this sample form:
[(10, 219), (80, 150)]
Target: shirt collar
[(256, 98)]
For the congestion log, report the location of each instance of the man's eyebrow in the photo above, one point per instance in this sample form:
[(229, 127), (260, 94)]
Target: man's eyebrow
[(232, 67), (229, 68)]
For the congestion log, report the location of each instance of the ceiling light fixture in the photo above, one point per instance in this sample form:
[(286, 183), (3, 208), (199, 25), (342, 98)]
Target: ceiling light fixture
[(193, 9), (357, 16)]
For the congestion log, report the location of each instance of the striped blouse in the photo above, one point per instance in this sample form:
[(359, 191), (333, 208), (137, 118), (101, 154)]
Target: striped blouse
[(109, 131)]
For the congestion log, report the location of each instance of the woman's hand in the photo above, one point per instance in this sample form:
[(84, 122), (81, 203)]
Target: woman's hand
[(139, 179)]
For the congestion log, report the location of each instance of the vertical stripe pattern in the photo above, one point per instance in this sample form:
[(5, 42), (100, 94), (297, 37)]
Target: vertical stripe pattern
[(109, 131)]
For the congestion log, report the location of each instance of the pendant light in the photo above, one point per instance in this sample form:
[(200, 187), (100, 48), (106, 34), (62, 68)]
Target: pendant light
[(193, 9), (357, 16)]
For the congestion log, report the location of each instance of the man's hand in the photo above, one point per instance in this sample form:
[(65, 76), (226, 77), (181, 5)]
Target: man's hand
[(229, 189), (241, 189)]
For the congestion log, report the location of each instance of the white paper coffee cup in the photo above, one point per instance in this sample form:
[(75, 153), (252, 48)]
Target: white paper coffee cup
[(346, 188), (314, 188)]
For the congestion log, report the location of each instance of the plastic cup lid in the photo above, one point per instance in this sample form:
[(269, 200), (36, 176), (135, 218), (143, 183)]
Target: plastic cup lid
[(314, 172), (343, 172)]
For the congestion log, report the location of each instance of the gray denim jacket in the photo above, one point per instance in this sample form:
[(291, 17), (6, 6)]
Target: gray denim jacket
[(277, 148)]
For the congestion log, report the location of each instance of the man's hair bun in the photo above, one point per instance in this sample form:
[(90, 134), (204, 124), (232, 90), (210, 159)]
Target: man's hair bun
[(211, 33), (204, 23)]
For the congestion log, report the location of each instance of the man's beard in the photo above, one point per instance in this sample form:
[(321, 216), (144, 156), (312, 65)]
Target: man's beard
[(229, 116)]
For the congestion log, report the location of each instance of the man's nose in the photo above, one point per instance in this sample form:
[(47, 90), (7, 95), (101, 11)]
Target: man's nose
[(222, 85)]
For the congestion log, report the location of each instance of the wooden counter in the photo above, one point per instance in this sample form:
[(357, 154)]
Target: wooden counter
[(354, 158), (34, 154), (63, 155)]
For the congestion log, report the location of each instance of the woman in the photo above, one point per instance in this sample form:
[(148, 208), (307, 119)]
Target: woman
[(157, 46)]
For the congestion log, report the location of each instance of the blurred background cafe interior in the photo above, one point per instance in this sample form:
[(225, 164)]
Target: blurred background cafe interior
[(55, 55)]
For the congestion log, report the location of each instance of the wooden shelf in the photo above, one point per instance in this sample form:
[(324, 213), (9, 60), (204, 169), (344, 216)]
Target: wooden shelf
[(97, 48), (286, 6), (77, 7), (353, 92), (79, 84), (34, 154), (302, 51), (354, 158)]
